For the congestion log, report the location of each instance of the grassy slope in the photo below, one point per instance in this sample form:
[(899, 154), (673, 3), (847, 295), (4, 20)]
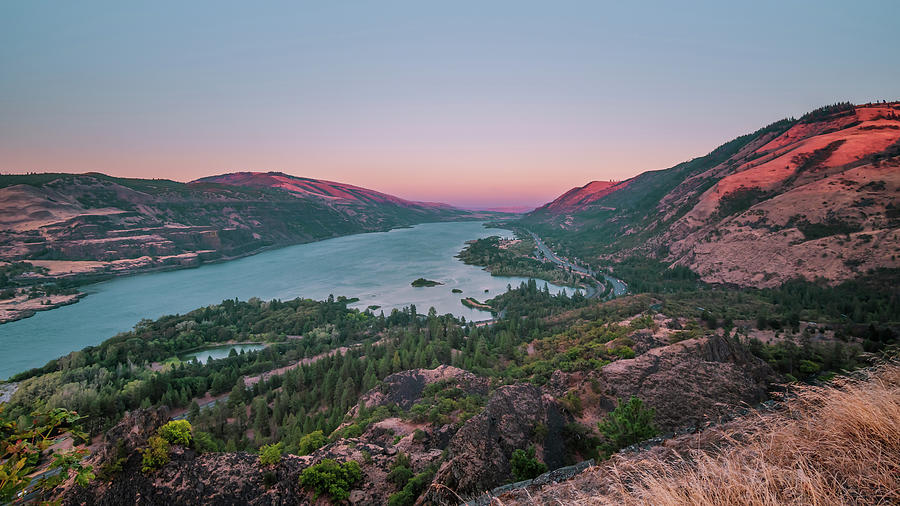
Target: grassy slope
[(838, 444)]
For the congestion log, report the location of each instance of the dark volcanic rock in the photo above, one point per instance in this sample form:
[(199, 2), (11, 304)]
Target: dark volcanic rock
[(214, 478), (691, 381), (130, 434), (479, 453), (188, 478), (405, 388)]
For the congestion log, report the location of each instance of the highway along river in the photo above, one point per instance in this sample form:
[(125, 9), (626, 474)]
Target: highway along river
[(377, 268)]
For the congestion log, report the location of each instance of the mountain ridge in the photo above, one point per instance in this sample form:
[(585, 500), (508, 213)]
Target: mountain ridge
[(84, 227), (305, 186), (758, 210)]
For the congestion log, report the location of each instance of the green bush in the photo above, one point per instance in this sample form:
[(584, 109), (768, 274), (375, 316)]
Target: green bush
[(270, 478), (22, 445), (525, 465), (177, 432), (205, 443), (572, 402), (331, 478), (399, 475), (413, 489), (629, 423), (270, 455), (155, 455), (311, 442)]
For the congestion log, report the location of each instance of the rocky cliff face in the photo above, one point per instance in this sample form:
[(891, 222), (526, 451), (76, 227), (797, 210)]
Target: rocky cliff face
[(478, 455), (690, 382), (403, 389), (815, 197)]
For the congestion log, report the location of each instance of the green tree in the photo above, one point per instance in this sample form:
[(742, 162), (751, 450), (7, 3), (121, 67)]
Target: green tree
[(177, 432), (311, 442), (331, 478), (155, 455), (270, 455), (525, 465), (626, 425)]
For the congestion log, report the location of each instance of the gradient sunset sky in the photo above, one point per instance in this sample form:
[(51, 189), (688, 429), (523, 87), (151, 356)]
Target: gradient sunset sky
[(471, 103)]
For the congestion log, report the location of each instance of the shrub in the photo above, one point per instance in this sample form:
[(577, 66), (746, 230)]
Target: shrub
[(270, 478), (270, 455), (331, 478), (205, 443), (572, 402), (177, 432), (311, 442), (155, 455), (413, 489), (629, 423), (623, 352), (22, 444), (525, 465), (399, 475)]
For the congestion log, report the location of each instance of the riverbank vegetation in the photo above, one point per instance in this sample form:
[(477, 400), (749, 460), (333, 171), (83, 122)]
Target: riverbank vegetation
[(516, 257), (422, 282)]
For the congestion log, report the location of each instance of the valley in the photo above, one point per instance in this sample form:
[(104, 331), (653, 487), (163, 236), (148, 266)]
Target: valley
[(376, 268), (449, 253), (671, 327), (74, 229)]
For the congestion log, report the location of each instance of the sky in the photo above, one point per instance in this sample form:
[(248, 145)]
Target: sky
[(478, 104)]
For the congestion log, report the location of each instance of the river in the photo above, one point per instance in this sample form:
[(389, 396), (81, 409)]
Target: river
[(376, 267)]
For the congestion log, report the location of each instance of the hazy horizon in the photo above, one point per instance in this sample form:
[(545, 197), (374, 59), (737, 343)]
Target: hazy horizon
[(497, 105)]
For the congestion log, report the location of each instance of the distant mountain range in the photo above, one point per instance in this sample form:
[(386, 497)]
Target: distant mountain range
[(327, 191), (815, 197), (122, 224)]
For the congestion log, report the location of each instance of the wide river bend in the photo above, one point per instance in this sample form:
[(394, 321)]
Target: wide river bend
[(376, 267)]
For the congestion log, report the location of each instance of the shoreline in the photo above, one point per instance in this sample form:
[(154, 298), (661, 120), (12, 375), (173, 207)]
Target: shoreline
[(91, 278), (14, 313)]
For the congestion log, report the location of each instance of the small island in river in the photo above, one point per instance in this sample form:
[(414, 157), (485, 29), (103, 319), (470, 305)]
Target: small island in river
[(425, 282)]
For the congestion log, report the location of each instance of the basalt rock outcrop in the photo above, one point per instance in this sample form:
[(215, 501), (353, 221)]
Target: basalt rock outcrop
[(691, 381), (188, 477), (479, 454), (404, 388)]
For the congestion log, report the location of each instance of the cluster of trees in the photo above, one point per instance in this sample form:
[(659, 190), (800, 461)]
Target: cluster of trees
[(516, 260), (529, 301), (138, 368), (12, 284), (336, 354)]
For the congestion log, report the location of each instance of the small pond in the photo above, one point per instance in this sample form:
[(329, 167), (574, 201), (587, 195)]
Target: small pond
[(217, 352)]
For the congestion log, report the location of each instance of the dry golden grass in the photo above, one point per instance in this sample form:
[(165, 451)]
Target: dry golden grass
[(832, 445)]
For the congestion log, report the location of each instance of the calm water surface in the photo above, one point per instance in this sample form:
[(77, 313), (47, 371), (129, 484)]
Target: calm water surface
[(217, 352), (377, 268)]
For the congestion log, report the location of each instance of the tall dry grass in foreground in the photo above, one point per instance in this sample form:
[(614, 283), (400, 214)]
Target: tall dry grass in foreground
[(832, 445)]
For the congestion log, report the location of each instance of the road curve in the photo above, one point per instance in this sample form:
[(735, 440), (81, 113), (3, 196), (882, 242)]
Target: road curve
[(619, 286)]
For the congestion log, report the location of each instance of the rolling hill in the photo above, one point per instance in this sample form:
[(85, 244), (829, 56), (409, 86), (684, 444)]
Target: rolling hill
[(99, 223), (815, 197)]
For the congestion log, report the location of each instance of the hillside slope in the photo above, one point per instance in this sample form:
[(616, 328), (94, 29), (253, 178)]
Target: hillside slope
[(829, 445), (327, 191), (814, 197), (131, 223)]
